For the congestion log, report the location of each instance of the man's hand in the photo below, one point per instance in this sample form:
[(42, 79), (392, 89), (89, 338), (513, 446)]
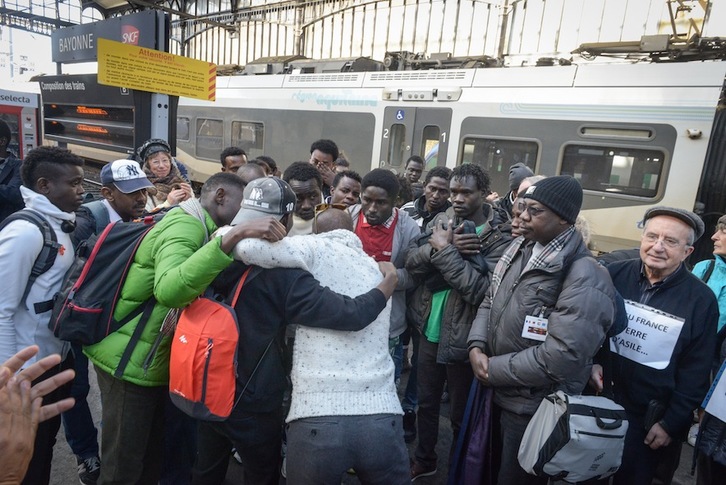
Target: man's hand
[(33, 372), (19, 417), (657, 437), (466, 244), (390, 278), (492, 197), (21, 408), (267, 228), (479, 364), (441, 236), (596, 380), (327, 173)]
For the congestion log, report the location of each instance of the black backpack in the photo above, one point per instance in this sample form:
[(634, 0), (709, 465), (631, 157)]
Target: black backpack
[(45, 259), (83, 309)]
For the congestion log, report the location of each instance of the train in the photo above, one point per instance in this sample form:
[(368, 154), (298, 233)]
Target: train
[(635, 135)]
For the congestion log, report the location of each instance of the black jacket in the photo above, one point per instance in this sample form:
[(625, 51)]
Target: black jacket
[(683, 384), (272, 299), (417, 210), (10, 198), (468, 279)]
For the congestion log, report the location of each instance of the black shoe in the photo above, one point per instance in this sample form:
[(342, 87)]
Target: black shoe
[(89, 470), (409, 425), (418, 471)]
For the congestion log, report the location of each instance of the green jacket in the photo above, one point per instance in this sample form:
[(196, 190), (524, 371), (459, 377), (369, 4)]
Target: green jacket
[(175, 265)]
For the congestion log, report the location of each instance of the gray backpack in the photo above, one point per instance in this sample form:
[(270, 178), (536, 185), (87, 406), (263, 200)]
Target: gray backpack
[(574, 438)]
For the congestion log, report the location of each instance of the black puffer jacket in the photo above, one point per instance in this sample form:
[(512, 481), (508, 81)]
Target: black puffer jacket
[(469, 279)]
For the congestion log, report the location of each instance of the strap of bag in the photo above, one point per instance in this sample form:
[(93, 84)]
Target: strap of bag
[(45, 259), (232, 303), (254, 371), (148, 307), (709, 271), (100, 214), (238, 288)]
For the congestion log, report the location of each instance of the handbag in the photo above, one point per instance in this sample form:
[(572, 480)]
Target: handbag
[(574, 438)]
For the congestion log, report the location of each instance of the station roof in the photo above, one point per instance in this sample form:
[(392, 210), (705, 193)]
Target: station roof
[(43, 17)]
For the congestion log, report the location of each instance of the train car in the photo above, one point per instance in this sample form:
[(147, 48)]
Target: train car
[(21, 111), (634, 135)]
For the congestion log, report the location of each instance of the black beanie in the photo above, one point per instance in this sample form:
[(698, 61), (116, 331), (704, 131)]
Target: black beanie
[(561, 194), (517, 173)]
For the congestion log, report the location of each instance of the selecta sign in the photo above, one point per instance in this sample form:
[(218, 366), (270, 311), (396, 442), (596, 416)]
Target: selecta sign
[(79, 43)]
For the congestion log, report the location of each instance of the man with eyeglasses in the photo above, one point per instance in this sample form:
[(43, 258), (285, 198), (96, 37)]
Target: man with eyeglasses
[(544, 317), (661, 362)]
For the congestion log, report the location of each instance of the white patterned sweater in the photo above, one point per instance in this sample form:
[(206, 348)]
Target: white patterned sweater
[(334, 373)]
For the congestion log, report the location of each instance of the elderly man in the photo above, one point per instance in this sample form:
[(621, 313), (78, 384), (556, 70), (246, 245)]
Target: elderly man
[(545, 316), (661, 362)]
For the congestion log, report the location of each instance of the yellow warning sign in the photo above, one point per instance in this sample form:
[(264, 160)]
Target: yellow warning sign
[(134, 67)]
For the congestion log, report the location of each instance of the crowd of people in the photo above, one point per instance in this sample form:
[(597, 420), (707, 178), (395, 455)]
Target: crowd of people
[(347, 280)]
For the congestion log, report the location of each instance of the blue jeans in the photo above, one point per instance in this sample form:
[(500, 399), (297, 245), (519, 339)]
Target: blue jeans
[(321, 449), (81, 433)]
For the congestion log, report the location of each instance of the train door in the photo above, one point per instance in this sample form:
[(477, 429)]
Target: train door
[(20, 112), (415, 131)]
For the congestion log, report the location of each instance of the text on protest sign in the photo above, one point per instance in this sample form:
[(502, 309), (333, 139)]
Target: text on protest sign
[(650, 338)]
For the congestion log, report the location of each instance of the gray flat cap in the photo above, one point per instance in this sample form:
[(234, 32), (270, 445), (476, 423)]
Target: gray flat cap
[(686, 216)]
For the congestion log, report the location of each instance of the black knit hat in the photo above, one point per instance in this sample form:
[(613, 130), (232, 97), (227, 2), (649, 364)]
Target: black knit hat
[(561, 194), (517, 173)]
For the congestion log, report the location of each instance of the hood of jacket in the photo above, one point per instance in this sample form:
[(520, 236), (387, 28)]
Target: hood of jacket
[(41, 203)]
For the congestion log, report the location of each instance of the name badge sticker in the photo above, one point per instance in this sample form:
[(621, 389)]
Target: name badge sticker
[(535, 328)]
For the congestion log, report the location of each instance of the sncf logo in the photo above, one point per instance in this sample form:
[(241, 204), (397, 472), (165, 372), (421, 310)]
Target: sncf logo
[(129, 35)]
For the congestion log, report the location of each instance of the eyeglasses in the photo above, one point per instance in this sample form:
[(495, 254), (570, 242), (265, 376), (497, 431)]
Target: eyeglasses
[(325, 206), (668, 242), (320, 208), (531, 210)]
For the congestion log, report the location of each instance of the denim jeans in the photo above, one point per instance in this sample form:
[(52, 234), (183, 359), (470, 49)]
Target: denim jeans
[(81, 433), (321, 449)]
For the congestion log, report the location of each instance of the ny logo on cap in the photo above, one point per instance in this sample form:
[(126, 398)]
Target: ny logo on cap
[(131, 171), (256, 194)]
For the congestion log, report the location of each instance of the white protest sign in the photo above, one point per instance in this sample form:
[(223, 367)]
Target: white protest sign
[(715, 402), (650, 337)]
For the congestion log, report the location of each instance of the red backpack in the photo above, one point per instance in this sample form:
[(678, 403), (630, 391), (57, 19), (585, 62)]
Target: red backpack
[(203, 364)]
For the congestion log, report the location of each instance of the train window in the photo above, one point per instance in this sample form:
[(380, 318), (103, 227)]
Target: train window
[(397, 144), (182, 129), (429, 141), (250, 137), (209, 138), (627, 171), (497, 155)]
